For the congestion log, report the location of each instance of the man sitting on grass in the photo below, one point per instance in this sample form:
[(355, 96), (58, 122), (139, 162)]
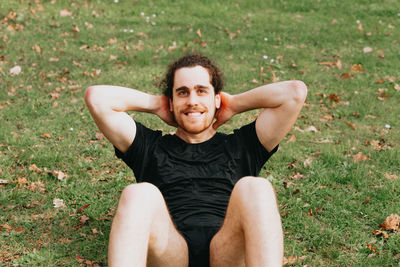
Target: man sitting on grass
[(198, 201)]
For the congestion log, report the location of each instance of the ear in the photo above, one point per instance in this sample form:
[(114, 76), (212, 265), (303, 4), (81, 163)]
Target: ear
[(217, 100), (170, 105)]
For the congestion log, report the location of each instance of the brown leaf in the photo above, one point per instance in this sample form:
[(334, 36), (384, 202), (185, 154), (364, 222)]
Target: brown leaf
[(334, 98), (391, 176), (99, 136), (199, 33), (351, 125), (34, 168), (291, 260), (83, 219), (36, 48), (12, 15), (359, 157), (22, 181), (328, 63), (347, 75), (356, 68), (371, 247), (380, 81), (327, 118), (46, 135), (379, 232), (112, 41), (81, 209), (76, 29), (15, 27), (392, 223), (308, 161), (397, 87), (297, 176), (370, 116), (292, 139), (65, 13)]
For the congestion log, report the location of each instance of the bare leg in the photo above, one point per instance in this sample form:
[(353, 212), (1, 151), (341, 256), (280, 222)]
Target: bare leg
[(251, 234), (142, 232)]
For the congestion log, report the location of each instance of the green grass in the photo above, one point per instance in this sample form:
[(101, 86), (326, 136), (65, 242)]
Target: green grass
[(297, 35)]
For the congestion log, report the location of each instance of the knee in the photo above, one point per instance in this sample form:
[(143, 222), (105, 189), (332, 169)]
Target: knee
[(254, 188), (144, 195)]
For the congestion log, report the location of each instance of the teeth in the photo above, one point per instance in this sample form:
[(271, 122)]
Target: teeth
[(194, 114)]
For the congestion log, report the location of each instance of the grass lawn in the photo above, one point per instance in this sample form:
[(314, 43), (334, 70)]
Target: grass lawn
[(336, 173)]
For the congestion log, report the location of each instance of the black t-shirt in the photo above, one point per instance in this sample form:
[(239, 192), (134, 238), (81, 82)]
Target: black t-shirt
[(196, 180)]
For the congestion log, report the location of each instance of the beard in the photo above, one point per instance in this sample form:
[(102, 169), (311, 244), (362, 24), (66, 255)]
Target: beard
[(194, 124)]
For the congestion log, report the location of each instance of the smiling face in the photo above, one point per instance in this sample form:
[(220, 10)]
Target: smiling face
[(194, 102)]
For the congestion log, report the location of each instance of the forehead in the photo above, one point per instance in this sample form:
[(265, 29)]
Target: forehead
[(191, 76)]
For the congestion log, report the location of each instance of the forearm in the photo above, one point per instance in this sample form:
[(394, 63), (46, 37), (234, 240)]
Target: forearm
[(270, 96), (102, 98)]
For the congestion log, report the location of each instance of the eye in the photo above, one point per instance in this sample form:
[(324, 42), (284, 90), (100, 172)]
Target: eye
[(182, 93), (202, 91)]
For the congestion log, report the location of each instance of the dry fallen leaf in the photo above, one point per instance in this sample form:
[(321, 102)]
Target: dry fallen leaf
[(34, 168), (391, 176), (65, 13), (99, 136), (112, 41), (292, 260), (351, 125), (360, 157), (308, 161), (311, 129), (84, 219), (199, 33), (379, 232), (15, 70), (356, 68), (36, 48), (59, 175), (46, 135), (392, 223), (58, 203), (367, 49), (292, 139)]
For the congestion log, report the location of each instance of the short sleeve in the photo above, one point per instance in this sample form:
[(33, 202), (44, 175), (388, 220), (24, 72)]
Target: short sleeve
[(137, 157), (255, 153)]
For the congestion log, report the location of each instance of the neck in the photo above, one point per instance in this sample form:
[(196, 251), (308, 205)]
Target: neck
[(192, 138)]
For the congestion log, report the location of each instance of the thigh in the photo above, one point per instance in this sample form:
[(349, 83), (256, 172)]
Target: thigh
[(167, 246), (143, 225), (227, 247)]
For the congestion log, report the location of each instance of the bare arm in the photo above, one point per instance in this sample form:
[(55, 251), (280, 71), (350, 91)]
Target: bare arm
[(108, 105), (281, 102)]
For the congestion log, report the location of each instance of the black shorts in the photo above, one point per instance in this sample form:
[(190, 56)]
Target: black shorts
[(198, 239)]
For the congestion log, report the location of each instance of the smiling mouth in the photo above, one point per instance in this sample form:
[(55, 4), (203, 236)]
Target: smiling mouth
[(194, 114)]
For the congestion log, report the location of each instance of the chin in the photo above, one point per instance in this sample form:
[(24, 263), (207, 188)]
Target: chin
[(195, 129)]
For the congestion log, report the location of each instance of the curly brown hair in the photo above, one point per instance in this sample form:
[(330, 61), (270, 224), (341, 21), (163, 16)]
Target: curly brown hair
[(192, 60)]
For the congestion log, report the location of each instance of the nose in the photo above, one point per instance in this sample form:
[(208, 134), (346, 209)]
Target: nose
[(193, 99)]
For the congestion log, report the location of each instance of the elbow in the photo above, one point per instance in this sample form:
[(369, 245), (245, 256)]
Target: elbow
[(299, 90)]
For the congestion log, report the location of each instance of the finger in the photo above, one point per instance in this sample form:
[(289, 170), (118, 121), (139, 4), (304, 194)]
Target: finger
[(216, 124)]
